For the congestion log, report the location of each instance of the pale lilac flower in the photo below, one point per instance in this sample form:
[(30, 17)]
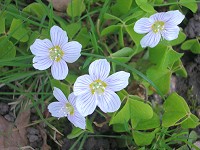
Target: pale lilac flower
[(160, 25), (98, 88), (66, 108), (55, 53)]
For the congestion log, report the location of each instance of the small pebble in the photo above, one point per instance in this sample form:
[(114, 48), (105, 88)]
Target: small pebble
[(33, 131), (34, 144), (32, 138), (10, 117), (4, 108)]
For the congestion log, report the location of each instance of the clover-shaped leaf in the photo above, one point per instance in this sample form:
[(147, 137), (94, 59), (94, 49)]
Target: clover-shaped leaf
[(133, 109), (18, 31), (178, 112)]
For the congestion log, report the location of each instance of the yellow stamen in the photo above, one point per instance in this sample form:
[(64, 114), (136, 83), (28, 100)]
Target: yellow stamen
[(98, 87), (158, 26), (70, 108), (56, 53)]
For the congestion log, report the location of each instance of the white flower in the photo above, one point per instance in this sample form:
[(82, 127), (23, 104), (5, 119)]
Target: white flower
[(55, 53), (98, 89), (65, 108), (159, 25)]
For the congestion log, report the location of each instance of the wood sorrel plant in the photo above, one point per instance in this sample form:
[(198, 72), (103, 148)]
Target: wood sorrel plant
[(106, 40)]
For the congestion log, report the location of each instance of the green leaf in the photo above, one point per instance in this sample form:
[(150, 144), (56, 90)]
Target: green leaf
[(143, 138), (179, 69), (72, 29), (75, 133), (121, 7), (133, 109), (121, 37), (139, 109), (71, 78), (122, 59), (192, 4), (163, 56), (87, 62), (89, 125), (17, 31), (151, 123), (134, 36), (119, 117), (124, 52), (36, 9), (188, 44), (83, 37), (191, 122), (8, 14), (75, 8), (136, 15), (111, 17), (192, 45), (196, 47), (159, 1), (2, 25), (110, 29), (63, 87), (7, 49), (120, 127), (34, 35), (192, 137), (175, 109), (179, 40), (160, 77), (144, 5)]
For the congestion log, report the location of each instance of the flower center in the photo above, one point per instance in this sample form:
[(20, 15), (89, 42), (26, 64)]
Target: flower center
[(56, 53), (98, 87), (158, 26), (70, 108)]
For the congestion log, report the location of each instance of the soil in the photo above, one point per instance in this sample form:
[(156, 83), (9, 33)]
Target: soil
[(35, 139), (192, 30), (189, 87)]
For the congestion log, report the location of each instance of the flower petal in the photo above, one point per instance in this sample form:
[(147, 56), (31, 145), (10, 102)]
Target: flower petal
[(71, 51), (81, 84), (58, 36), (59, 95), (158, 17), (41, 47), (78, 120), (109, 101), (174, 17), (72, 99), (143, 25), (151, 39), (86, 103), (171, 32), (42, 62), (57, 109), (99, 69), (59, 70), (117, 81)]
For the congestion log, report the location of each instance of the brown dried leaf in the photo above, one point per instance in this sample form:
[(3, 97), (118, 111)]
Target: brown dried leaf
[(45, 146), (13, 136)]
